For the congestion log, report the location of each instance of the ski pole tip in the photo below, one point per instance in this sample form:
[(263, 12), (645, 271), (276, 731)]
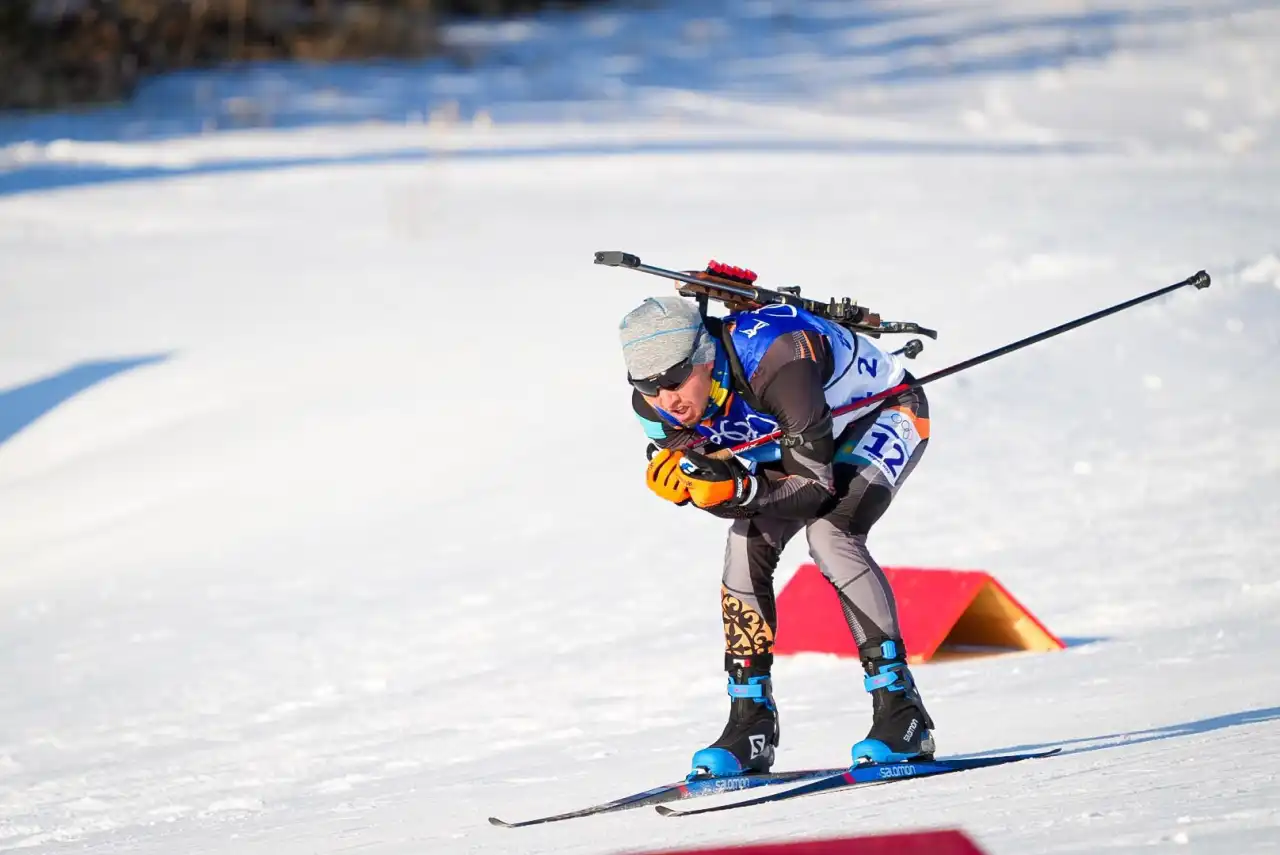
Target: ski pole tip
[(1201, 280), (613, 258)]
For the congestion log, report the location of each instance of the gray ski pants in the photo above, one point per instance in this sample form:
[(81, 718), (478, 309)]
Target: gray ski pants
[(870, 469)]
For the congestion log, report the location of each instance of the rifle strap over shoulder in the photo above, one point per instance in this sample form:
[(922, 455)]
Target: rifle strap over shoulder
[(737, 374)]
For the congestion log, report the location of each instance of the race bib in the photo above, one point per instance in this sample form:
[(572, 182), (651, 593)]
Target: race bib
[(888, 444)]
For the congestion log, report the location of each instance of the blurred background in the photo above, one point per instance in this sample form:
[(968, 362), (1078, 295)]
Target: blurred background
[(63, 53)]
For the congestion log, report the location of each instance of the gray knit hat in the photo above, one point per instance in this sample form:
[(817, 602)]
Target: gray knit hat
[(661, 332)]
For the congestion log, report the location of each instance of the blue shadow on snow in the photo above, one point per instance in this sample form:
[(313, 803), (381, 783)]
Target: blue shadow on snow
[(22, 405), (53, 176), (1085, 744), (1083, 640)]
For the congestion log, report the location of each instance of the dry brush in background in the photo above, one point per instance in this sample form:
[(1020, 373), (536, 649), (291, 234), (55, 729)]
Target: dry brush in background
[(57, 53)]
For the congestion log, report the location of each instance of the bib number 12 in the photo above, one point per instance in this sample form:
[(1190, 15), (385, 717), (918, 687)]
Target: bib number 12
[(887, 445)]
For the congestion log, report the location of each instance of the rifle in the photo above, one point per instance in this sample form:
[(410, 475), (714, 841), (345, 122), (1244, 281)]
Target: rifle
[(735, 287)]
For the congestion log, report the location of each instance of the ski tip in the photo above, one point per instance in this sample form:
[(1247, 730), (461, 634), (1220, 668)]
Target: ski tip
[(663, 810), (501, 823), (1044, 752)]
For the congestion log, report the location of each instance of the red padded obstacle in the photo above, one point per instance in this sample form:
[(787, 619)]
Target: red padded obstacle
[(946, 842), (941, 612)]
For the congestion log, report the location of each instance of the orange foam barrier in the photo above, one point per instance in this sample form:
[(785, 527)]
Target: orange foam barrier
[(942, 613), (945, 842)]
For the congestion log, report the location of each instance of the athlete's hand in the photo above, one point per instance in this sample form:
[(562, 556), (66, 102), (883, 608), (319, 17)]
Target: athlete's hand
[(663, 475), (714, 483)]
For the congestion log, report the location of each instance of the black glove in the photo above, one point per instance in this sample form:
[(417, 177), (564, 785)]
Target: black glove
[(717, 483)]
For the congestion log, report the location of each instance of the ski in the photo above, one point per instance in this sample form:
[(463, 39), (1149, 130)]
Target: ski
[(687, 789), (867, 774)]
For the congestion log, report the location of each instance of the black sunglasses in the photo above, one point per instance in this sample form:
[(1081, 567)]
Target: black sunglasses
[(671, 379)]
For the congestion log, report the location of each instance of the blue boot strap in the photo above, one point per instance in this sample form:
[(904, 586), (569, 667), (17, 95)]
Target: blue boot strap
[(753, 688), (888, 678)]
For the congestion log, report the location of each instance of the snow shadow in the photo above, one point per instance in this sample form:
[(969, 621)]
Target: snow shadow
[(52, 176), (22, 405), (1074, 641), (1125, 739)]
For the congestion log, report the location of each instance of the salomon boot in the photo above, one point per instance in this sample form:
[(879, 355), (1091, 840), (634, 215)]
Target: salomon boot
[(900, 727), (749, 738)]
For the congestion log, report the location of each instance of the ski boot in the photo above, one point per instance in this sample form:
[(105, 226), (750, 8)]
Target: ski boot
[(900, 727), (749, 738)]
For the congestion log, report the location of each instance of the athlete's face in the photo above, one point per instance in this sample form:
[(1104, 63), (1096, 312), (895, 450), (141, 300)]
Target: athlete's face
[(688, 401)]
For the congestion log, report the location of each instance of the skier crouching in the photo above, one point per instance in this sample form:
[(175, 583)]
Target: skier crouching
[(727, 380)]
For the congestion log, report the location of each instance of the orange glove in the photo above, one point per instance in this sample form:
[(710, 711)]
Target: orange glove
[(663, 476), (711, 483)]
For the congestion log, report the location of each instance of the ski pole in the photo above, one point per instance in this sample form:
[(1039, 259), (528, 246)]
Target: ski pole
[(1199, 280)]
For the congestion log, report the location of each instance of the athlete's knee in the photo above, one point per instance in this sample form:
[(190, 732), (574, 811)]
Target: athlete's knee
[(839, 554)]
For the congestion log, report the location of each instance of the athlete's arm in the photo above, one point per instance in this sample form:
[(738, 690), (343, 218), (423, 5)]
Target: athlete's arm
[(789, 386)]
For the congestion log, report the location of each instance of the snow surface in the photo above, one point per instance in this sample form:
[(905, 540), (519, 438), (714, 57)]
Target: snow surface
[(324, 523)]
